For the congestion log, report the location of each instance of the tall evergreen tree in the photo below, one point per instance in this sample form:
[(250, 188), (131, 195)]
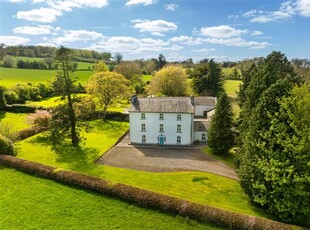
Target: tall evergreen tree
[(269, 82), (220, 136), (65, 86), (207, 79)]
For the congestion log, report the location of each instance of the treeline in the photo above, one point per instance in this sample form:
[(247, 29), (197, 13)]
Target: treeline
[(47, 51)]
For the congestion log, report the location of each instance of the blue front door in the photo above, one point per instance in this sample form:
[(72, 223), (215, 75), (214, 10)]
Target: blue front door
[(161, 140)]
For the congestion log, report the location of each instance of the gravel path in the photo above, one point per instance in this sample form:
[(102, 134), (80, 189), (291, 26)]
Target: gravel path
[(164, 159)]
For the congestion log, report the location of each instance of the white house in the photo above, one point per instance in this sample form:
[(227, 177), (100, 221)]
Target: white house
[(169, 120)]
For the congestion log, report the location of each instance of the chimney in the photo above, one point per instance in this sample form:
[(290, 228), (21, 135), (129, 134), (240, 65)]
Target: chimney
[(134, 99), (193, 100)]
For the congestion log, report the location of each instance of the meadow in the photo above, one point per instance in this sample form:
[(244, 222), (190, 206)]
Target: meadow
[(12, 76), (51, 205)]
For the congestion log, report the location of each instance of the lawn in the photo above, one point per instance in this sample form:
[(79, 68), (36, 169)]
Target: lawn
[(232, 87), (29, 202), (11, 76), (16, 121), (227, 159), (146, 78), (213, 190)]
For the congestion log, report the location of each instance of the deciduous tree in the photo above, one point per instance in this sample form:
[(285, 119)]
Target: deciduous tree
[(108, 88), (170, 81)]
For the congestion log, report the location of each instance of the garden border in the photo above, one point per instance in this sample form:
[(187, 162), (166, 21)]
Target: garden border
[(146, 198)]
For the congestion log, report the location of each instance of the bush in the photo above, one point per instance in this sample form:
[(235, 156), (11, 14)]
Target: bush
[(29, 132), (39, 119), (2, 99), (17, 108), (11, 97), (6, 146), (8, 61)]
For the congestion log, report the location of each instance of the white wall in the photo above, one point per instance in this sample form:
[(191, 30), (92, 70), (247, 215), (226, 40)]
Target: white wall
[(199, 109), (198, 135), (152, 128)]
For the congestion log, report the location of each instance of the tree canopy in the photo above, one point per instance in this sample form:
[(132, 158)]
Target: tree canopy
[(170, 81), (207, 79)]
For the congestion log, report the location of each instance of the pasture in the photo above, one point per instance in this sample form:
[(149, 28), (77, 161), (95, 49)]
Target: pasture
[(11, 76), (38, 203)]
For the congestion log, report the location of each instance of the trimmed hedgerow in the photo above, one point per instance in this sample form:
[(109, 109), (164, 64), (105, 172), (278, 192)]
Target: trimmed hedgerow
[(19, 108), (29, 132), (147, 198), (6, 146)]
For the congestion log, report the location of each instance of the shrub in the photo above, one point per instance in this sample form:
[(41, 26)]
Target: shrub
[(8, 61), (6, 146), (11, 97), (39, 119), (2, 99), (18, 108), (29, 132), (7, 129)]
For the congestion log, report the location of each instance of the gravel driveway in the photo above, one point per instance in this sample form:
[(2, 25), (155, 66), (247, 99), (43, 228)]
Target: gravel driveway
[(163, 159)]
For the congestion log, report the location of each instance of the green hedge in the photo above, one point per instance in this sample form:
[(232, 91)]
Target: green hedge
[(147, 198), (6, 146), (19, 108)]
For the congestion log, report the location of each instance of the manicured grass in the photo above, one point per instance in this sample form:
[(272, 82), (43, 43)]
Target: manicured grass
[(11, 76), (227, 159), (214, 190), (29, 202), (146, 78), (232, 87), (47, 102), (16, 121)]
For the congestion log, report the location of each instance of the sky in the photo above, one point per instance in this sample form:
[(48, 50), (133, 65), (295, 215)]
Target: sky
[(226, 30)]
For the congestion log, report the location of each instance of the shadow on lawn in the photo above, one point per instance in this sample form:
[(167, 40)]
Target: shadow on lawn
[(114, 129), (74, 157)]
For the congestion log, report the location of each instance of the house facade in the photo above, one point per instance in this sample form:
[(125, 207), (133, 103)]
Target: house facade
[(167, 120)]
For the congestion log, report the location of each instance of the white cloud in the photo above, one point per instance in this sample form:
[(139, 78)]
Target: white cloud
[(140, 2), (257, 33), (204, 50), (223, 31), (47, 44), (238, 42), (303, 7), (43, 15), (156, 28), (33, 30), (286, 11), (77, 35), (171, 7), (16, 1), (13, 40), (134, 46), (187, 40)]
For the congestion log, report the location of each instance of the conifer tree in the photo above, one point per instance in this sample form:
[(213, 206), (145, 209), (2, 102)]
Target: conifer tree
[(220, 136)]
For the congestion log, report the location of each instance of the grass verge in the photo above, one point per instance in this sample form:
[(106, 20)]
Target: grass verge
[(227, 159)]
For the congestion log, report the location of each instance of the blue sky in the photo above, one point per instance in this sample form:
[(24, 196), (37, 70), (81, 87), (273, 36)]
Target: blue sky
[(179, 29)]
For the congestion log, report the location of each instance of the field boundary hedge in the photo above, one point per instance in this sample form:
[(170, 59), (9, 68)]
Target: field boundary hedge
[(147, 198)]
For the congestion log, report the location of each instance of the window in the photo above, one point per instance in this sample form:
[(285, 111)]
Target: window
[(143, 138), (203, 136), (161, 116), (142, 116), (179, 129), (142, 127), (178, 139), (161, 128), (179, 117)]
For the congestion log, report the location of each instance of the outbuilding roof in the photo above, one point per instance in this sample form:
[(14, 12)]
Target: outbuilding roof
[(202, 101), (201, 125), (162, 105)]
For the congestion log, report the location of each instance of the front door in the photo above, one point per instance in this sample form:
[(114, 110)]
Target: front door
[(161, 140)]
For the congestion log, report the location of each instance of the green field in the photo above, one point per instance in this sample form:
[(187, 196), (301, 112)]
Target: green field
[(16, 121), (29, 202), (232, 87), (146, 78), (11, 76)]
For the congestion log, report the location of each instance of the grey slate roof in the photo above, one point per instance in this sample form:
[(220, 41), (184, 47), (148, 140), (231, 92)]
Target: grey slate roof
[(201, 126), (210, 101), (163, 105)]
